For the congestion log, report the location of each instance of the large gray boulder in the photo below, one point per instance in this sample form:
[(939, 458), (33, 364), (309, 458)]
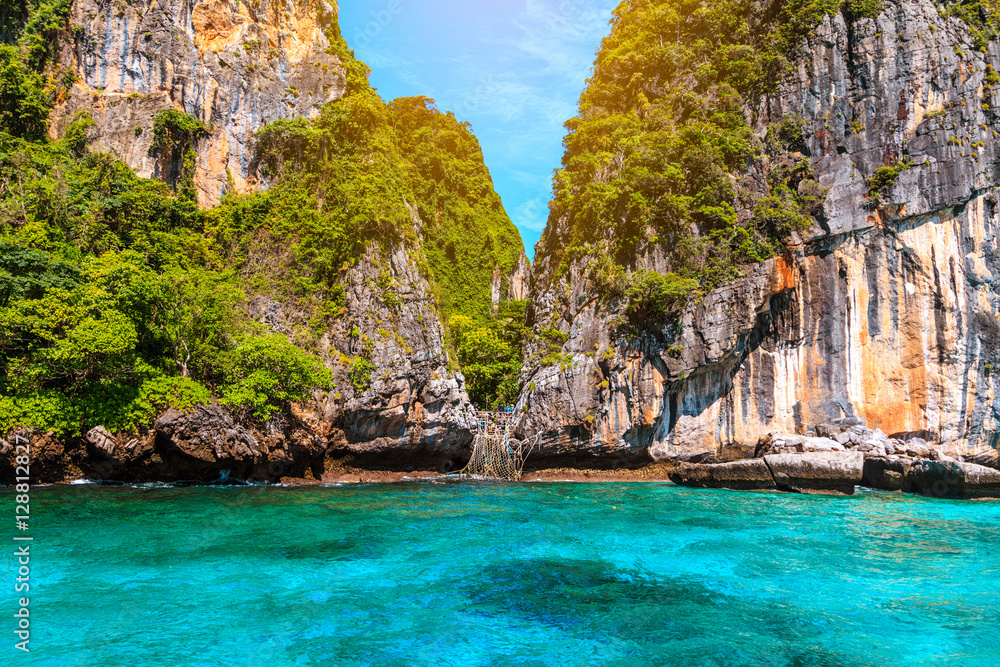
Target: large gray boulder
[(954, 479), (741, 475), (100, 442), (887, 474), (817, 472), (790, 443), (207, 433)]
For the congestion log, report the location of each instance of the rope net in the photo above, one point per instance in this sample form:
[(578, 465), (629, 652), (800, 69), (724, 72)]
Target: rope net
[(494, 456)]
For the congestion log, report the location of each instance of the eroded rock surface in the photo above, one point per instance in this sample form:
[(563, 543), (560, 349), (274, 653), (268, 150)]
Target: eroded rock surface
[(817, 472), (953, 479), (888, 474), (739, 475), (233, 64), (102, 443), (886, 314)]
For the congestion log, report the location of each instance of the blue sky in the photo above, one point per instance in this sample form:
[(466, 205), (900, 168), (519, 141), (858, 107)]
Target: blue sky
[(514, 69)]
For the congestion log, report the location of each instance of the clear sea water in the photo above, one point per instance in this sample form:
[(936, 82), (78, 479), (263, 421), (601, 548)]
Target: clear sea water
[(483, 574)]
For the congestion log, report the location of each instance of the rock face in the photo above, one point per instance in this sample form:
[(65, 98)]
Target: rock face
[(739, 475), (817, 472), (952, 479), (514, 286), (203, 445), (827, 471), (887, 314), (102, 443), (398, 399), (412, 407), (233, 64), (206, 434), (888, 474)]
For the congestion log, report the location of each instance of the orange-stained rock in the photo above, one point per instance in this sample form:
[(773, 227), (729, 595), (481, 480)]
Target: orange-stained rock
[(215, 24), (886, 315), (235, 65)]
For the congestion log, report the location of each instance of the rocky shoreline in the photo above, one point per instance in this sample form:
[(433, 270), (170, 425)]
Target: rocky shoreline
[(206, 446), (845, 455)]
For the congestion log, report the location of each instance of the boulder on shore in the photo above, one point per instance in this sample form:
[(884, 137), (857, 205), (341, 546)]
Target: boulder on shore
[(741, 475), (887, 474), (817, 472), (101, 443), (954, 479), (199, 443), (790, 443)]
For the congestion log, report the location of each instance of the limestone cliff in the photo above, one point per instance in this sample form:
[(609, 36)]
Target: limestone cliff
[(234, 65), (348, 249), (886, 310), (397, 400)]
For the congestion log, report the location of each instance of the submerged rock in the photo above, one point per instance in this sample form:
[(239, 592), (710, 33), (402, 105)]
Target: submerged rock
[(740, 475), (817, 472)]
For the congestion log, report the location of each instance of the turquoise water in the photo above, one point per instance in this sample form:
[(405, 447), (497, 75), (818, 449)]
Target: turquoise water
[(542, 574)]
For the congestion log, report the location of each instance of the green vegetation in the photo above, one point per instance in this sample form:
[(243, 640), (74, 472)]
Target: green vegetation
[(174, 137), (360, 374), (663, 154), (466, 228), (863, 9), (267, 372), (490, 353), (653, 296), (982, 17), (117, 295), (990, 76), (882, 180), (660, 151), (119, 298), (110, 310), (662, 135), (348, 176), (28, 81)]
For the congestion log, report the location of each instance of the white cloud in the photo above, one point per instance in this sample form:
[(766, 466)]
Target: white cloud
[(532, 214), (563, 34), (541, 65)]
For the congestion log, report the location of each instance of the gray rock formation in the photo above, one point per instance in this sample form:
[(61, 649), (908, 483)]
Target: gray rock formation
[(514, 286), (204, 440), (233, 64), (887, 313), (739, 475), (817, 472), (786, 443), (952, 479), (102, 443), (888, 474), (413, 406)]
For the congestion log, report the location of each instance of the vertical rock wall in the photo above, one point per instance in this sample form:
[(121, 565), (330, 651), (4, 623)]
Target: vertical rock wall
[(237, 65), (884, 312), (234, 64)]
